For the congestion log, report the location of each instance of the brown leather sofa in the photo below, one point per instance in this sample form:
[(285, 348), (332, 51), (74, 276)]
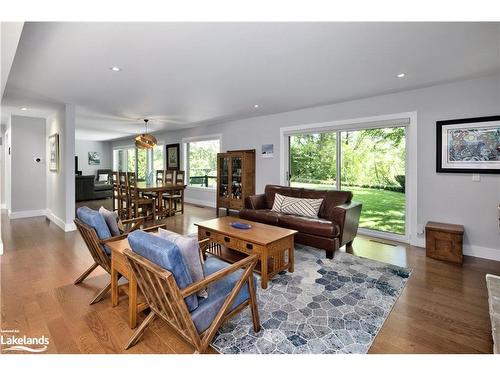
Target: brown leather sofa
[(336, 225)]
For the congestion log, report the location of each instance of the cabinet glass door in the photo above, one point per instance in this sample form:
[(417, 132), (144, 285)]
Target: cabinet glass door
[(224, 177), (236, 183)]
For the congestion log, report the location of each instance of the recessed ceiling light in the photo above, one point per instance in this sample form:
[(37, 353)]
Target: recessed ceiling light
[(256, 106), (401, 75), (115, 68), (24, 109)]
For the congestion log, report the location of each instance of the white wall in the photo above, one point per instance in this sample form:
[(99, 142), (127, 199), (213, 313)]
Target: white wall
[(7, 163), (450, 198), (82, 148), (27, 176), (3, 129), (61, 184)]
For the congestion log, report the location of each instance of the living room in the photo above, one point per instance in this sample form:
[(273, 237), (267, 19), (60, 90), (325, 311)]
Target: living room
[(250, 188)]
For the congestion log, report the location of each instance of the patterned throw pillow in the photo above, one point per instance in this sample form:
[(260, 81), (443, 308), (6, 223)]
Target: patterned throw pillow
[(297, 206)]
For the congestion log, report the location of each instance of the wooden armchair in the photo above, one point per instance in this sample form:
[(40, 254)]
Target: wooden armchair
[(98, 249), (168, 301)]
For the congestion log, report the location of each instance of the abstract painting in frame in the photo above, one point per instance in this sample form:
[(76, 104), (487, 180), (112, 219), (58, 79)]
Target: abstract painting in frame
[(54, 152), (173, 155), (468, 145), (94, 158)]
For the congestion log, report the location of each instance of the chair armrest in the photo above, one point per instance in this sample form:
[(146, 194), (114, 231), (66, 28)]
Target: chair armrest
[(137, 223), (155, 227), (250, 261), (115, 238), (346, 216), (256, 202)]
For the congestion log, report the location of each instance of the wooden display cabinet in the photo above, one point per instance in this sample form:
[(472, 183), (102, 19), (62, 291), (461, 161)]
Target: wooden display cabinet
[(235, 179)]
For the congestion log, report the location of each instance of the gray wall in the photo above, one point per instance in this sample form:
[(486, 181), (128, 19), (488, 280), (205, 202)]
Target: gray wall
[(61, 184), (82, 148), (27, 176), (450, 198)]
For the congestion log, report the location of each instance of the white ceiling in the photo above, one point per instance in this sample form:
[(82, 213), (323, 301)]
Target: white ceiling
[(189, 74)]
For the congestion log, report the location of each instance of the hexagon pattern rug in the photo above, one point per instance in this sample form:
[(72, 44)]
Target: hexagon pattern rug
[(326, 306)]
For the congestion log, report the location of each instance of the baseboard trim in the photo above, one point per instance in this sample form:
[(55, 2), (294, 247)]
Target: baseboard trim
[(199, 202), (26, 214), (482, 252), (67, 227)]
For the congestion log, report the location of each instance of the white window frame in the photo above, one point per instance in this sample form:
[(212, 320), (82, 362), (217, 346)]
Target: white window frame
[(391, 120), (185, 156)]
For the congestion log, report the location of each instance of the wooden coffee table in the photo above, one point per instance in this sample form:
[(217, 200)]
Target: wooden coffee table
[(274, 245)]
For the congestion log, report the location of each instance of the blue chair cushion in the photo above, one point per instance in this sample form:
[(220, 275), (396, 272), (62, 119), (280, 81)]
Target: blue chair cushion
[(167, 255), (208, 308), (95, 220)]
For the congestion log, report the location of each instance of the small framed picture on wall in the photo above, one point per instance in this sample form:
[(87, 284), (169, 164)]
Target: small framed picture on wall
[(54, 152), (469, 145), (173, 156)]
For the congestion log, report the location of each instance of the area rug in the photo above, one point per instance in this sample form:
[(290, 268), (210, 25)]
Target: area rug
[(326, 306)]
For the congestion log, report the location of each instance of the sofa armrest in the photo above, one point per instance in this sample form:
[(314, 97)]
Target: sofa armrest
[(346, 216), (256, 202)]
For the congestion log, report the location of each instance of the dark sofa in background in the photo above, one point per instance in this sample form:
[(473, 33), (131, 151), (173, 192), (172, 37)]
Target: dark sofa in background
[(336, 225), (89, 188)]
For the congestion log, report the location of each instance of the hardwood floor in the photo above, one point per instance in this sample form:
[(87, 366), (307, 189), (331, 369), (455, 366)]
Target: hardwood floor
[(443, 308)]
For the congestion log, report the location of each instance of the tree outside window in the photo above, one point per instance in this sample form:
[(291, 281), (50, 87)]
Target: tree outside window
[(202, 163)]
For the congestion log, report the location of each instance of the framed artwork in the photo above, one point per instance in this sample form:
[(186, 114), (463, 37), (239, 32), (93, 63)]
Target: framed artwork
[(173, 156), (267, 151), (468, 145), (54, 152), (94, 158)]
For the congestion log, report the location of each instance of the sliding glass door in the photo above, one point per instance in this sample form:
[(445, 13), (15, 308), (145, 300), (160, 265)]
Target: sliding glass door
[(369, 162), (313, 160), (140, 161)]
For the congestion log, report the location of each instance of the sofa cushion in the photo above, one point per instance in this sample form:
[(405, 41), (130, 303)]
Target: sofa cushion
[(167, 255), (331, 199), (271, 190), (315, 226), (95, 220), (102, 186), (112, 220), (190, 249), (208, 308), (261, 216), (296, 206)]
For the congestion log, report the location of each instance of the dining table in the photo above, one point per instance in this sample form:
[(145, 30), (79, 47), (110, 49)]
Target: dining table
[(160, 188)]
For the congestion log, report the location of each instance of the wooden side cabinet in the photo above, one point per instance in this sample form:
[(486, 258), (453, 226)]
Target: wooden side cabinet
[(444, 241), (235, 179)]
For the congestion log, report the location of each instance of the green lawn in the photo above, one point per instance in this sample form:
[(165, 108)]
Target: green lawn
[(382, 210)]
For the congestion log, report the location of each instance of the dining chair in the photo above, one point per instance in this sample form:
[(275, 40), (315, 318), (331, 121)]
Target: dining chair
[(124, 198), (115, 181), (175, 196), (170, 293), (169, 176), (95, 233), (138, 202)]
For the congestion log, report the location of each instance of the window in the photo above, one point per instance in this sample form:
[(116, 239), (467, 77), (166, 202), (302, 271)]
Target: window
[(158, 159), (201, 162), (370, 162), (140, 161)]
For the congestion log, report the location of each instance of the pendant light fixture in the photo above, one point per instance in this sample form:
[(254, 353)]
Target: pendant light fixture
[(145, 141)]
